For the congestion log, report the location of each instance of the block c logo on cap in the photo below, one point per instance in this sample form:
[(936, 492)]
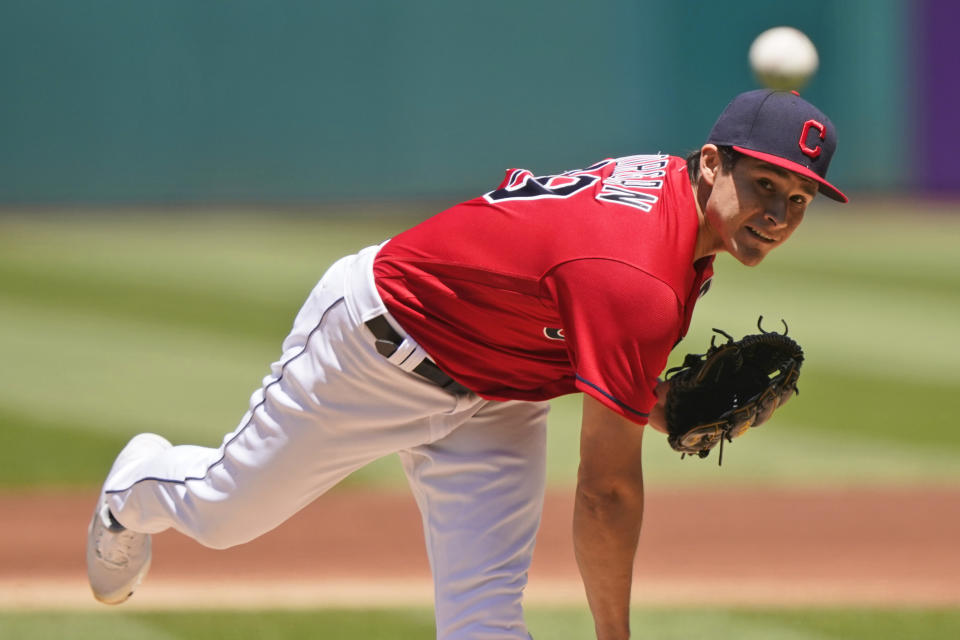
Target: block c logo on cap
[(812, 152)]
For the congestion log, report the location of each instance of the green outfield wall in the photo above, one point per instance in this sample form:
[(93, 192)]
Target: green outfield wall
[(250, 101)]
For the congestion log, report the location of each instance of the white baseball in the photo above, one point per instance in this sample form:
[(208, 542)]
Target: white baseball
[(783, 58)]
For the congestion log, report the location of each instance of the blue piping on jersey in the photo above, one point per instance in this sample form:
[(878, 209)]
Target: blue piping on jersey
[(618, 403)]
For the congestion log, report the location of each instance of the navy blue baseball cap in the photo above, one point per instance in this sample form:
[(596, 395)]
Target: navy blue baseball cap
[(783, 129)]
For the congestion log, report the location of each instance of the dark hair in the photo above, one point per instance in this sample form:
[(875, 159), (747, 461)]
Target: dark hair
[(728, 160)]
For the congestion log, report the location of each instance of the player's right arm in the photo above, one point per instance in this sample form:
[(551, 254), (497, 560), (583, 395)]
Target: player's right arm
[(608, 511)]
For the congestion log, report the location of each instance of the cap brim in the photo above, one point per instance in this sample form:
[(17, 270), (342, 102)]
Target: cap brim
[(826, 188)]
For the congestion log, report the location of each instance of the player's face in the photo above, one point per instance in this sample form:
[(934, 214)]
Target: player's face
[(754, 208)]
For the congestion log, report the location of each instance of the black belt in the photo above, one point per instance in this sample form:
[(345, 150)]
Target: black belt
[(388, 341)]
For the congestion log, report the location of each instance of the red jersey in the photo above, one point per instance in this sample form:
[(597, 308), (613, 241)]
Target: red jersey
[(553, 284)]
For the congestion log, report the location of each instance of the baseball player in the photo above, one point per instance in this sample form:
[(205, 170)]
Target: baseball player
[(444, 344)]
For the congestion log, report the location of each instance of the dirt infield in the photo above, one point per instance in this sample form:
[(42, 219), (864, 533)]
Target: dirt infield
[(349, 548)]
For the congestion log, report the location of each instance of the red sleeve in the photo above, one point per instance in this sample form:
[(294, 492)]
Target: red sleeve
[(620, 324)]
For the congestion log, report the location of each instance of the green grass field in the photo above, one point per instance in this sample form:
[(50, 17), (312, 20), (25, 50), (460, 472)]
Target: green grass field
[(116, 324), (548, 624)]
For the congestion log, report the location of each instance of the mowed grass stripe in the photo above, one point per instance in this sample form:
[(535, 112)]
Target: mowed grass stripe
[(554, 623), (894, 409), (242, 276), (868, 328), (788, 451), (114, 373), (170, 303), (69, 452)]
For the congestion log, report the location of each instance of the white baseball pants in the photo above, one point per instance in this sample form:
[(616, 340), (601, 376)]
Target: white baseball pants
[(331, 405)]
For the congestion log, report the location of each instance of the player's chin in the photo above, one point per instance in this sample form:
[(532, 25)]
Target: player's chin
[(751, 260), (751, 251), (749, 255)]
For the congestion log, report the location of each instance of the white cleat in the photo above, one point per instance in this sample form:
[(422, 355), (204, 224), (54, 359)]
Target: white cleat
[(118, 558)]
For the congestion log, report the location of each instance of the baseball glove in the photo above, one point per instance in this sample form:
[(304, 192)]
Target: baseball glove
[(718, 395)]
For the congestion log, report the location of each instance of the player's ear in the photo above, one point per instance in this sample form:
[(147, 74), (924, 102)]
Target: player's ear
[(709, 163)]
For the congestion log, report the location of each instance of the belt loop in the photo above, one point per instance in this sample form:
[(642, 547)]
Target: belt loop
[(404, 352), (406, 355)]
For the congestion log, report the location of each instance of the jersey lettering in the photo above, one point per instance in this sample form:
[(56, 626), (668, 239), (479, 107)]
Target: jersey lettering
[(523, 185), (632, 180)]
